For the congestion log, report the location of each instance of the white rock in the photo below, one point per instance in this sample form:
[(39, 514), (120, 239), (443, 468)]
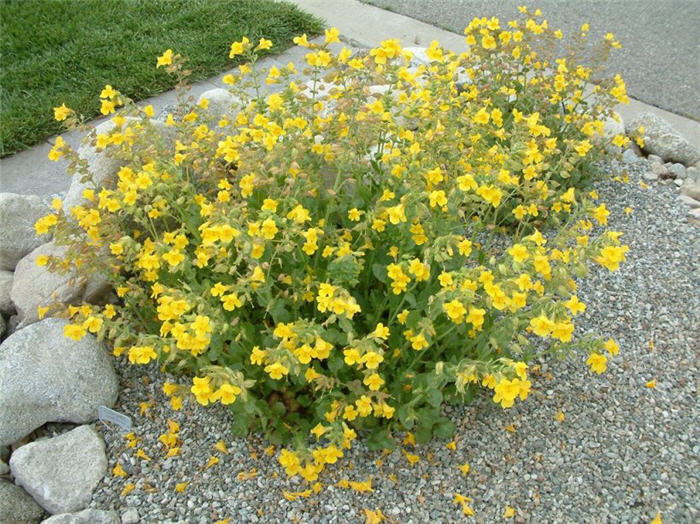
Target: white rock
[(18, 213), (102, 168), (691, 190), (16, 506), (658, 168), (655, 159), (614, 125), (87, 516), (47, 377), (662, 140), (130, 516), (6, 306), (221, 103), (35, 286), (690, 202), (419, 55), (650, 176), (60, 473), (694, 213), (693, 174)]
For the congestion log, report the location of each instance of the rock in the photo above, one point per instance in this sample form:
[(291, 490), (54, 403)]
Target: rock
[(678, 182), (61, 472), (419, 56), (18, 213), (691, 202), (655, 159), (662, 140), (101, 167), (130, 516), (693, 174), (650, 177), (87, 516), (6, 305), (16, 506), (221, 103), (677, 169), (694, 213), (4, 468), (47, 377), (659, 168), (614, 125), (691, 190), (630, 157), (35, 286)]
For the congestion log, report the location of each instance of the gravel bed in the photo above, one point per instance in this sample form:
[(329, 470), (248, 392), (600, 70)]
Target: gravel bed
[(623, 452)]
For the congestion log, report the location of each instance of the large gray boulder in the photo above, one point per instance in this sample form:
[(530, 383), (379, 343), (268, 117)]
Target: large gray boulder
[(16, 507), (46, 377), (60, 473), (87, 516), (6, 306), (18, 213), (662, 140), (35, 286)]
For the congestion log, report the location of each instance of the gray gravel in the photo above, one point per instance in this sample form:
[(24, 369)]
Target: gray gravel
[(660, 57), (623, 453)]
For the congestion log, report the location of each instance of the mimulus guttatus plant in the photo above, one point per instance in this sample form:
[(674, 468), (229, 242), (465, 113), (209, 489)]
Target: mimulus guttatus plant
[(341, 256)]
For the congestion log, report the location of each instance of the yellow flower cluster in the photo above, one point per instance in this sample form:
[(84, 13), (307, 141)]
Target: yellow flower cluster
[(333, 261)]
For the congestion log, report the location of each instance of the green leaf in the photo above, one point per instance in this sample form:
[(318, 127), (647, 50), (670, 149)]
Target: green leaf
[(434, 398), (380, 438), (444, 428), (379, 271)]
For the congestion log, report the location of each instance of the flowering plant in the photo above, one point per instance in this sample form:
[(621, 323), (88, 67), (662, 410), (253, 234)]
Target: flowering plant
[(344, 255)]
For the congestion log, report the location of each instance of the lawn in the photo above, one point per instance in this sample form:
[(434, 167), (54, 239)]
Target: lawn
[(63, 51)]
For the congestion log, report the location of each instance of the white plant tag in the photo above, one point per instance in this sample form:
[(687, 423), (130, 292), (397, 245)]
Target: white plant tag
[(109, 415)]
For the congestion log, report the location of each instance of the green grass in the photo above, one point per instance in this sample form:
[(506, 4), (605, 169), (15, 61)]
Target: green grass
[(65, 51)]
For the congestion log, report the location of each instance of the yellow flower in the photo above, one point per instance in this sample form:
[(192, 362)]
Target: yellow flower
[(373, 381), (61, 112), (263, 44), (597, 362), (165, 59), (276, 370)]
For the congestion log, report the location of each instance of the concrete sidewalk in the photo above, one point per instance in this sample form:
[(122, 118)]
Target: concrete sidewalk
[(31, 172)]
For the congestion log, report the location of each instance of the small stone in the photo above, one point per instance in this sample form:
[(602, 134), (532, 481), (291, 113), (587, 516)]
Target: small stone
[(16, 506), (60, 473), (662, 140), (6, 305), (630, 157), (678, 182), (659, 168), (677, 169), (650, 176), (18, 213), (694, 213), (655, 159), (130, 516), (46, 377), (691, 202), (87, 516), (691, 190), (693, 174)]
